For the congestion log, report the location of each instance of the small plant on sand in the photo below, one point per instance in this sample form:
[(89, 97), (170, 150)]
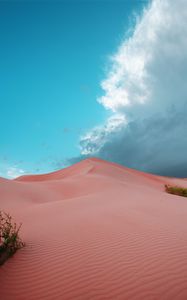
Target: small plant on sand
[(176, 190), (10, 241)]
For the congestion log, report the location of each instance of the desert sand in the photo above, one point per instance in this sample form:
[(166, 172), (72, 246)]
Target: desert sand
[(96, 230)]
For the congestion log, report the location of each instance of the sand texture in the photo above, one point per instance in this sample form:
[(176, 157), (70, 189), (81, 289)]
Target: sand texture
[(98, 231)]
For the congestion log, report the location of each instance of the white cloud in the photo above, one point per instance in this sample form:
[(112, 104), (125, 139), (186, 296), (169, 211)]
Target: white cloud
[(146, 82), (95, 139), (158, 38), (11, 171)]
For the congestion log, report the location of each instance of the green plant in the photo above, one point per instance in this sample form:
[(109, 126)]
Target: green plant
[(10, 241), (176, 190)]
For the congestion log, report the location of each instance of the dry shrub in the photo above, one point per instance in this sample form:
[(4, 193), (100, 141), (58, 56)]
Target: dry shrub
[(10, 241), (176, 190)]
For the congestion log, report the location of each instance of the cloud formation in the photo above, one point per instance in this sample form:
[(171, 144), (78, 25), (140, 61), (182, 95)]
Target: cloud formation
[(145, 89), (94, 140), (13, 172), (10, 172)]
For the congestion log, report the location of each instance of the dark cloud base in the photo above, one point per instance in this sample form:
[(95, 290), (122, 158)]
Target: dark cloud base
[(156, 145)]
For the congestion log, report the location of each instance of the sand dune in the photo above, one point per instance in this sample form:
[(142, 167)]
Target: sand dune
[(96, 230)]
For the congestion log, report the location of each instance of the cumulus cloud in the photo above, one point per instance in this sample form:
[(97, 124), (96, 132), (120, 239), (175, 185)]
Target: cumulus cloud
[(146, 87)]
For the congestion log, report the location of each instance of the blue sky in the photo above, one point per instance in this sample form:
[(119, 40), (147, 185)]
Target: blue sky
[(53, 58), (93, 78)]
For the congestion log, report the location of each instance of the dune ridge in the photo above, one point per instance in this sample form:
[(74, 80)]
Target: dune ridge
[(96, 230)]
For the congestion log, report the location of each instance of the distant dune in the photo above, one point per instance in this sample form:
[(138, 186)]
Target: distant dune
[(96, 230)]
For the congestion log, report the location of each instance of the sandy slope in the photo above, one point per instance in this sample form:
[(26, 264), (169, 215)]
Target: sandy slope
[(96, 230)]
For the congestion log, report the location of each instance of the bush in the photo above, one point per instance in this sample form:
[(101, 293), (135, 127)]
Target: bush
[(10, 241), (176, 190)]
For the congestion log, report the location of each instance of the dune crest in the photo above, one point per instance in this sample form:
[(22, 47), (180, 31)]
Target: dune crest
[(96, 230)]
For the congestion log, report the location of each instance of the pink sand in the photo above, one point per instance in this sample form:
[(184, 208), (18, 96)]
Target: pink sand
[(96, 230)]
